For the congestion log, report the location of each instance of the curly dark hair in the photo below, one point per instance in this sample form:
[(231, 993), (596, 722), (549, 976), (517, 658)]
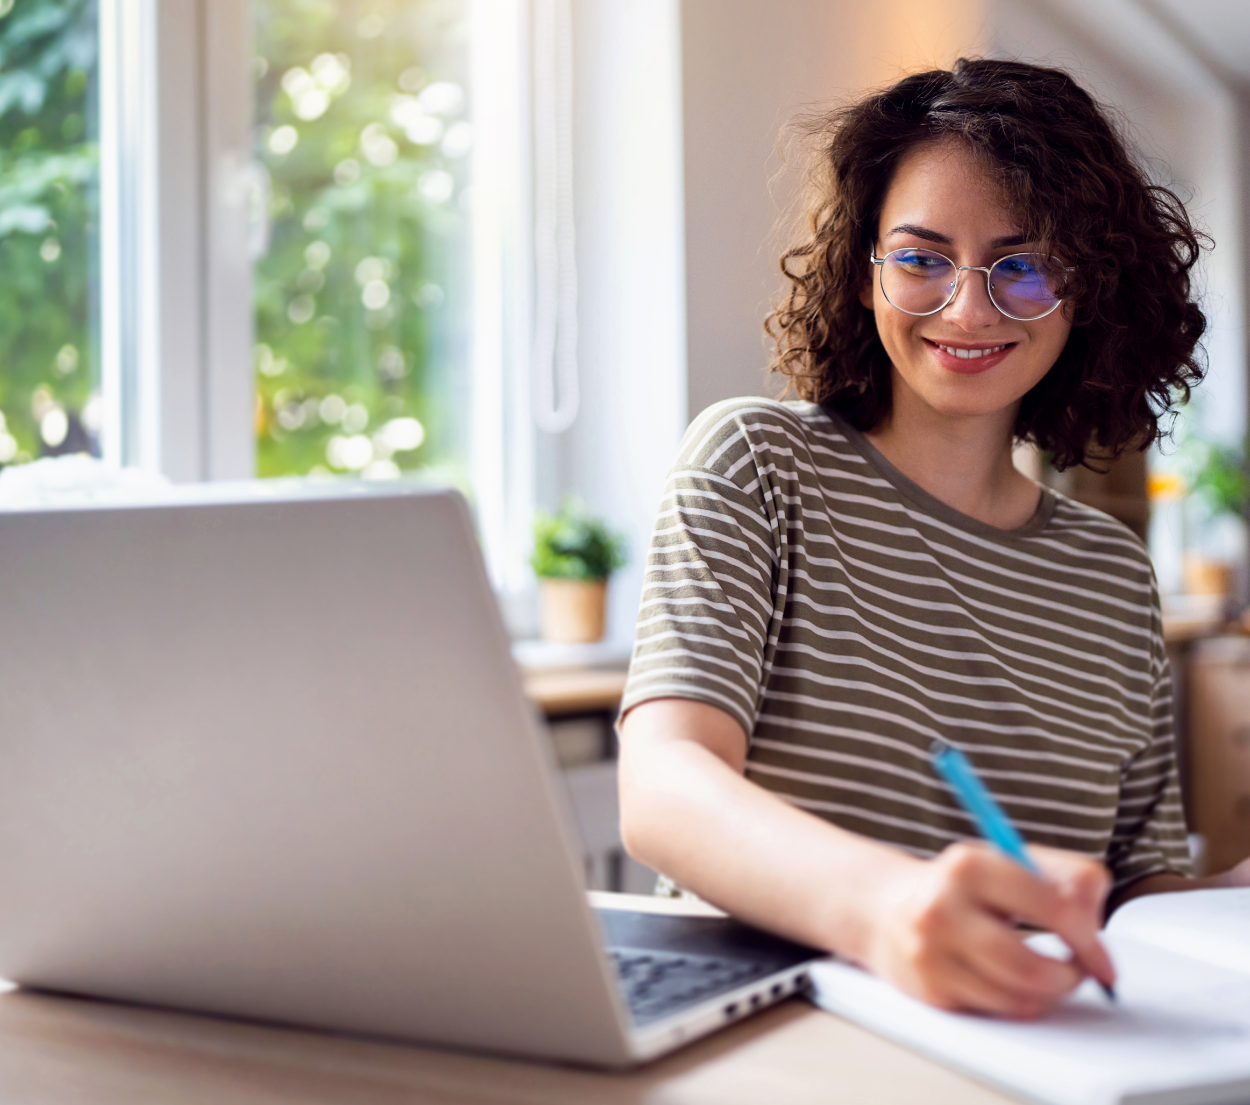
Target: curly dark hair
[(1071, 185)]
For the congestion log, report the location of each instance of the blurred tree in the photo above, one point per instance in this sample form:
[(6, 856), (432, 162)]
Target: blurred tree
[(48, 212), (361, 126), (359, 303)]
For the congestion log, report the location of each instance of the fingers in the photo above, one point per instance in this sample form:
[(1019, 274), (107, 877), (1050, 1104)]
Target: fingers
[(1067, 900), (947, 937), (1082, 881), (978, 963), (958, 987), (1003, 885), (977, 992), (999, 954), (945, 930), (1082, 885)]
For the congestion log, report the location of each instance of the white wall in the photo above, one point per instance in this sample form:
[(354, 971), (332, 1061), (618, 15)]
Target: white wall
[(747, 68), (629, 215), (1186, 122)]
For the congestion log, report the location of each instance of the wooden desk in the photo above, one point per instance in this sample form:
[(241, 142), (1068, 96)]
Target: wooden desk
[(575, 691), (62, 1051), (68, 1051), (572, 690)]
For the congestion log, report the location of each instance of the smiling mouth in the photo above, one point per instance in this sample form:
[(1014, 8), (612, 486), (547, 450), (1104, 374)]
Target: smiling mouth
[(970, 354)]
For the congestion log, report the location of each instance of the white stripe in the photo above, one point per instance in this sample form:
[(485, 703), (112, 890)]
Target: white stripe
[(925, 777), (752, 659), (972, 658), (969, 604), (717, 583), (690, 619), (953, 723), (646, 679), (983, 682), (701, 561), (979, 705), (873, 739), (902, 798), (969, 636), (863, 814), (684, 529), (666, 655), (1132, 607)]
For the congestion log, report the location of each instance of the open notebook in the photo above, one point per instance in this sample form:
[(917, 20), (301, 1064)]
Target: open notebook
[(1179, 1034)]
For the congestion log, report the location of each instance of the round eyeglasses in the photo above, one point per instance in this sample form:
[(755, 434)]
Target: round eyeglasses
[(1022, 286)]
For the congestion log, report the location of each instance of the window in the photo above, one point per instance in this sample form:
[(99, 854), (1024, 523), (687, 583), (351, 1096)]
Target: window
[(49, 202), (361, 300), (251, 245)]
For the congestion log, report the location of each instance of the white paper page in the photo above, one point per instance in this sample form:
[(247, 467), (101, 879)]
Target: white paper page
[(1213, 925), (1178, 1023)]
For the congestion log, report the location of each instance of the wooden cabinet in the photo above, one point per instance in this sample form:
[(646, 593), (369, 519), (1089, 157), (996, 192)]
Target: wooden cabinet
[(1118, 488), (1216, 749), (580, 707)]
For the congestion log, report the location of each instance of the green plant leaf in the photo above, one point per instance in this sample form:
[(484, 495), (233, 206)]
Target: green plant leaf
[(574, 545), (1222, 477)]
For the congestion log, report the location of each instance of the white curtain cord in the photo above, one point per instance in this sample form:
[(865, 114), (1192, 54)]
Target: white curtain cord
[(556, 395)]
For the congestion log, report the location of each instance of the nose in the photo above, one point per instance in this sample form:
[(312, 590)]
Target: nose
[(972, 309)]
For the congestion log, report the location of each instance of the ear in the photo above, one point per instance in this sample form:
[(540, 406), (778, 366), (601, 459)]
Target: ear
[(865, 292)]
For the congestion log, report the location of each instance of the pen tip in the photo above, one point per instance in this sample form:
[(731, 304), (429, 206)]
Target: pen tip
[(1109, 990)]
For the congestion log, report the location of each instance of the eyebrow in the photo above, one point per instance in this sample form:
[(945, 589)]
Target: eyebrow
[(933, 236)]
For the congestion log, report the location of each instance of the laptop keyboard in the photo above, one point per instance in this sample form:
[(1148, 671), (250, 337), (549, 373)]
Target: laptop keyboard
[(656, 984)]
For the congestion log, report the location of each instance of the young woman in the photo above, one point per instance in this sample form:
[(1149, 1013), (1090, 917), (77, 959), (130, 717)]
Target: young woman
[(834, 583)]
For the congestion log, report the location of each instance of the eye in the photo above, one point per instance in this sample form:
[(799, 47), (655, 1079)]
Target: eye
[(1016, 267), (920, 261)]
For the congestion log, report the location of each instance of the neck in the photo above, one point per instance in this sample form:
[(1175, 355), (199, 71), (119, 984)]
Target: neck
[(963, 461)]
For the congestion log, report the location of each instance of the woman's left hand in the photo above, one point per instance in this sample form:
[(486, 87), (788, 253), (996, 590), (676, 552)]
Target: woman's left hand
[(1238, 876), (1235, 876)]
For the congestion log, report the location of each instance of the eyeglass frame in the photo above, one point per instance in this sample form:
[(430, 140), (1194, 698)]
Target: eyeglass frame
[(872, 256)]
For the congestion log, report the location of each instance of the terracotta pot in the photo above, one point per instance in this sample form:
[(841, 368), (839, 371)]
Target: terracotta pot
[(1203, 576), (574, 611)]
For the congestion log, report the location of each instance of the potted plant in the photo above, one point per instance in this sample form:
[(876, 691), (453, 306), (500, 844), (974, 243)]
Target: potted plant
[(574, 554), (1221, 480)]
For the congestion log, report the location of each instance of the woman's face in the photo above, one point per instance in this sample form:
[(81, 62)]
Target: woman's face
[(942, 200)]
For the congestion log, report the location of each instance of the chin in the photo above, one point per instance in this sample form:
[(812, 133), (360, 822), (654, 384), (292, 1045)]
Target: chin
[(968, 406)]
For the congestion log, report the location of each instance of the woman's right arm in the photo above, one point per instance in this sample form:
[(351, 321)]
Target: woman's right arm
[(938, 929)]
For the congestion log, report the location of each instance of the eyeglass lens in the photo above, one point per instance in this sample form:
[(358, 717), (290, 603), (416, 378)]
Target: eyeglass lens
[(919, 281)]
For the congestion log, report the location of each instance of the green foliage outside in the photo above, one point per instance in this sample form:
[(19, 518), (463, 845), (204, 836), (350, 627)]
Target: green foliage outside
[(361, 123), (573, 545), (48, 227), (1221, 477)]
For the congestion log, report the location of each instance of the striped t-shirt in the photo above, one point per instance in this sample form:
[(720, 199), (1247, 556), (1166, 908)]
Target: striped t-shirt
[(847, 618)]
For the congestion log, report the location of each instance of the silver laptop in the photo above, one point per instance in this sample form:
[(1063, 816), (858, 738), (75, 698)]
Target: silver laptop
[(266, 754)]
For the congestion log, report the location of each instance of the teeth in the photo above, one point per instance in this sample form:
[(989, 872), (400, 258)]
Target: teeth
[(969, 354)]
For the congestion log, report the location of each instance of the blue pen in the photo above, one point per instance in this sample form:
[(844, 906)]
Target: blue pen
[(988, 816)]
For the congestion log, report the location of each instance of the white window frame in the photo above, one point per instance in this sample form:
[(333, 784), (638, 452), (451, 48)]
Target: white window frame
[(179, 187), (501, 444), (178, 182), (176, 284)]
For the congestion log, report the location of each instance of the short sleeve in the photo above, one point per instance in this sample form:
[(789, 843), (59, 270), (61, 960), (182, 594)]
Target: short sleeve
[(708, 601), (1150, 835)]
